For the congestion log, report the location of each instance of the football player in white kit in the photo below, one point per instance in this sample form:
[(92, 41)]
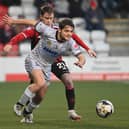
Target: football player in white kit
[(52, 44)]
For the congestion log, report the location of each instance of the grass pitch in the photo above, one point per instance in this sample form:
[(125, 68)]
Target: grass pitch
[(52, 113)]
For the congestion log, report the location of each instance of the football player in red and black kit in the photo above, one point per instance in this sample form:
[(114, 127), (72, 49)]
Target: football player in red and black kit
[(59, 68)]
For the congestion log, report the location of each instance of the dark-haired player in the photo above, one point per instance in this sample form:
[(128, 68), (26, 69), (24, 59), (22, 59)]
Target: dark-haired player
[(59, 67)]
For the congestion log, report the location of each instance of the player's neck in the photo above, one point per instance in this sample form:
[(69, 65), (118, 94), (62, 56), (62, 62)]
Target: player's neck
[(59, 38)]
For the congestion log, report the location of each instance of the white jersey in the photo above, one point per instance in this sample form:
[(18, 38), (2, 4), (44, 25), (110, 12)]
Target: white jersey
[(49, 48)]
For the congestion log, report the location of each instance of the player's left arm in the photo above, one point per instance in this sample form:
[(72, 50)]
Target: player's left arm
[(81, 60), (75, 48), (84, 45)]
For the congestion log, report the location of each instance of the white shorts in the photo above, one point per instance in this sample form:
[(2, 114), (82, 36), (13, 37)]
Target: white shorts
[(31, 63)]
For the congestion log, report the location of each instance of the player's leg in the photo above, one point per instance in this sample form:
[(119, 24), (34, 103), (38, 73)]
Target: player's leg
[(27, 95), (62, 72), (33, 104), (36, 100), (20, 104), (70, 95), (39, 84), (35, 72)]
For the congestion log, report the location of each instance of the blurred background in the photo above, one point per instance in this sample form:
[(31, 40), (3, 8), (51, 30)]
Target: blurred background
[(102, 24)]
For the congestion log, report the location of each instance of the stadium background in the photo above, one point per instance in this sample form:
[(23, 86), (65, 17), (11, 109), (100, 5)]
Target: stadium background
[(109, 38), (104, 77)]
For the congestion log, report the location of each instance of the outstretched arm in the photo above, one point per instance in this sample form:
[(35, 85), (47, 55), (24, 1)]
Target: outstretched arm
[(28, 33), (9, 20), (80, 42), (84, 45)]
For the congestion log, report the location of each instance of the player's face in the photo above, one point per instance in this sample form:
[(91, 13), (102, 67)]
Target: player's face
[(47, 18), (66, 32)]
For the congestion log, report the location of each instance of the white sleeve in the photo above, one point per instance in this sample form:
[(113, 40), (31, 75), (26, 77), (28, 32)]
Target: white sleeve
[(75, 47), (41, 27)]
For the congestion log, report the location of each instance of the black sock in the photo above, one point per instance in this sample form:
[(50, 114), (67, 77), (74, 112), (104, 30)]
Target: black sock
[(25, 112), (22, 104), (19, 104), (70, 95)]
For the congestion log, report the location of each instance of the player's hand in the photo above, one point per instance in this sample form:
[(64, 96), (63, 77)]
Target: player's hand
[(8, 20), (79, 64), (7, 48), (92, 53), (2, 23)]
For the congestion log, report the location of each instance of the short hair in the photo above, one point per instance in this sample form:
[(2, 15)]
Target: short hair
[(46, 9), (64, 22)]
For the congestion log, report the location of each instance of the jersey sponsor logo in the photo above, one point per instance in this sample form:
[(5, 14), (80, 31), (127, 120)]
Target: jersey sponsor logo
[(53, 53)]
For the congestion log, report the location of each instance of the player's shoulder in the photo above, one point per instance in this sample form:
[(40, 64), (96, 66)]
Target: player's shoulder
[(73, 44), (50, 31), (71, 40), (55, 26)]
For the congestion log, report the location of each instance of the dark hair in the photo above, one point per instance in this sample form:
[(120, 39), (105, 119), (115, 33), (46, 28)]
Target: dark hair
[(64, 22), (46, 9)]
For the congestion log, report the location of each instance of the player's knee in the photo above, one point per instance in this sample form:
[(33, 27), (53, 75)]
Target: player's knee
[(40, 85), (68, 84), (37, 99)]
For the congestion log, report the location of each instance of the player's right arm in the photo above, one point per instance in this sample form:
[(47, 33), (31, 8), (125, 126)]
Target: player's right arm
[(26, 34), (9, 20), (81, 60)]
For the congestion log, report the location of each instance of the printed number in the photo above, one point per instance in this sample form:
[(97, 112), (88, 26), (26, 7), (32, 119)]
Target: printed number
[(62, 65)]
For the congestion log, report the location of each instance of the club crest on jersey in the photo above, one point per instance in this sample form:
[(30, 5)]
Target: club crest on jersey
[(49, 43)]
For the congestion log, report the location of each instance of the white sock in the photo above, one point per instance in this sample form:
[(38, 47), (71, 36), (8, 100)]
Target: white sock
[(27, 95), (71, 111)]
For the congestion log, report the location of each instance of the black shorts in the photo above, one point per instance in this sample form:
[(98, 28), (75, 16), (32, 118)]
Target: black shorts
[(59, 68)]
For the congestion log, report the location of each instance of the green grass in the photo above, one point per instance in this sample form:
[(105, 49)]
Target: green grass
[(52, 113)]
